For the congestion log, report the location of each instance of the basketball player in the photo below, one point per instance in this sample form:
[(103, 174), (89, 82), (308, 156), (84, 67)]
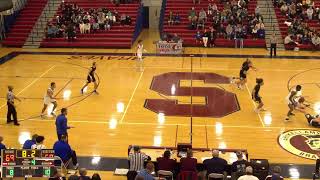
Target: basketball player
[(292, 99), (49, 98), (313, 120), (243, 73), (139, 51), (256, 97), (91, 78)]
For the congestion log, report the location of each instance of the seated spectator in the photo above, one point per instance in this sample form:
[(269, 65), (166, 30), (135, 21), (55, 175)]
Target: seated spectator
[(200, 24), (210, 9), (95, 176), (71, 32), (73, 177), (238, 167), (215, 164), (177, 19), (249, 174), (95, 25), (284, 9), (62, 31), (289, 41), (2, 146), (123, 19), (171, 18), (257, 10), (198, 37), (83, 174), (28, 143), (310, 13), (165, 163), (205, 37), (128, 20), (63, 150), (52, 31), (192, 15), (229, 31), (101, 19), (39, 143), (81, 27), (202, 15), (196, 1), (275, 174), (56, 175), (147, 172), (188, 163), (137, 159)]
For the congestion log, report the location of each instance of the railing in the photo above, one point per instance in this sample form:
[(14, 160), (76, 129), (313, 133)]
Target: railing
[(17, 6), (139, 24), (162, 15), (43, 20)]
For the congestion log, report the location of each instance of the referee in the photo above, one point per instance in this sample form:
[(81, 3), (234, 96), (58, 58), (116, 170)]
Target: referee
[(273, 45), (11, 107)]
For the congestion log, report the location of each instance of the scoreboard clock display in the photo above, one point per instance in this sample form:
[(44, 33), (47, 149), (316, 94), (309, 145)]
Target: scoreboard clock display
[(27, 163)]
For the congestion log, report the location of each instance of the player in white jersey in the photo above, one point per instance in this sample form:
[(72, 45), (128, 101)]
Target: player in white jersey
[(49, 98), (139, 52), (293, 98)]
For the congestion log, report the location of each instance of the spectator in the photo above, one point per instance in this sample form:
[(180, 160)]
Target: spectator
[(273, 44), (165, 163), (62, 123), (215, 164), (73, 177), (275, 174), (210, 10), (147, 172), (95, 176), (128, 20), (83, 174), (39, 143), (284, 9), (64, 151), (188, 163), (2, 146), (205, 38), (196, 1), (28, 143), (315, 41), (171, 18), (212, 37), (192, 15), (177, 19), (229, 31), (257, 11), (249, 174), (123, 19), (289, 41), (310, 13), (238, 167), (202, 15), (137, 159), (198, 37), (52, 31), (56, 175), (71, 32)]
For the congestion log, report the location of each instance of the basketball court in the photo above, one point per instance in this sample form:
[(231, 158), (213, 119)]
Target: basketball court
[(119, 116)]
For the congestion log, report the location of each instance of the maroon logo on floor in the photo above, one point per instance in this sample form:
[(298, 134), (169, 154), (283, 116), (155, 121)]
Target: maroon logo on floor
[(218, 102), (301, 142)]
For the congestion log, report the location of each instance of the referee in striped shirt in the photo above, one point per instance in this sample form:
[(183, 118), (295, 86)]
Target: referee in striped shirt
[(11, 107), (137, 159)]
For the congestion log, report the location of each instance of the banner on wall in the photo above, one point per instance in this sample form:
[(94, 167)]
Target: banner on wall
[(164, 47)]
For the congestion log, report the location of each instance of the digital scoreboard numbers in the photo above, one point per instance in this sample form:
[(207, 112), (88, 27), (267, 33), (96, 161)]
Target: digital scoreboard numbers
[(27, 163)]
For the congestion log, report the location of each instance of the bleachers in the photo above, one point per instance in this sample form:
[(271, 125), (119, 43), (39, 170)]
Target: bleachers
[(284, 28), (24, 23), (183, 7), (117, 37)]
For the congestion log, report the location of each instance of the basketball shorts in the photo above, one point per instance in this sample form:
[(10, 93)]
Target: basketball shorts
[(48, 100)]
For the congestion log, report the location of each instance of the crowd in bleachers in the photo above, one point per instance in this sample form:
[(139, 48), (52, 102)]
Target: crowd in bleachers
[(73, 17), (216, 167), (232, 22), (300, 14), (62, 150)]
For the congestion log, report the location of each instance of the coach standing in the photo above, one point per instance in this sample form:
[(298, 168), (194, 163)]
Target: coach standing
[(273, 45), (62, 124), (11, 107)]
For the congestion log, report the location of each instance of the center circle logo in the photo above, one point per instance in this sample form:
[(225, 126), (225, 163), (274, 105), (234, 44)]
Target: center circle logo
[(304, 143)]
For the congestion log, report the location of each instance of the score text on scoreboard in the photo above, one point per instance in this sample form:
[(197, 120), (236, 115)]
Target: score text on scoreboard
[(27, 163)]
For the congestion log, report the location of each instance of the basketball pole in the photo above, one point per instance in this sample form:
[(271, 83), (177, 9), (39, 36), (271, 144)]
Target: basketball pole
[(191, 97)]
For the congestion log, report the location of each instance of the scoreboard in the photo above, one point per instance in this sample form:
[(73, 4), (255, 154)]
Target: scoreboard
[(27, 163)]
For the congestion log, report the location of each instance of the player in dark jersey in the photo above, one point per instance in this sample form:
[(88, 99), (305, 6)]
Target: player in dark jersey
[(91, 78), (256, 97), (246, 66), (313, 120)]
